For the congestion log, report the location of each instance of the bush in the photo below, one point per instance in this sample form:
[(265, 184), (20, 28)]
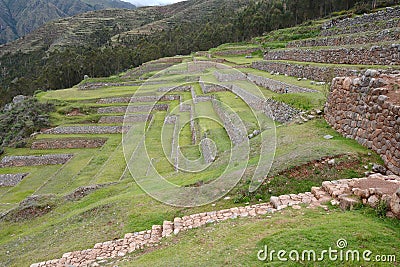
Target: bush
[(22, 119)]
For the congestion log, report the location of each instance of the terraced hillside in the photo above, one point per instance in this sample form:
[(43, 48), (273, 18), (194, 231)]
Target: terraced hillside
[(117, 24), (71, 188)]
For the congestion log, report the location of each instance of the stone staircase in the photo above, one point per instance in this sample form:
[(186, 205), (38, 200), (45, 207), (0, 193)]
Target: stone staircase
[(346, 192)]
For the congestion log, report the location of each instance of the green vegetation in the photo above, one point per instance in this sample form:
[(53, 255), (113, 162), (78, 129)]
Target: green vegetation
[(237, 242), (19, 120)]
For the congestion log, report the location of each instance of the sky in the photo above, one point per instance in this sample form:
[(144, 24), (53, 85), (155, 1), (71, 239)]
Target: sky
[(152, 2)]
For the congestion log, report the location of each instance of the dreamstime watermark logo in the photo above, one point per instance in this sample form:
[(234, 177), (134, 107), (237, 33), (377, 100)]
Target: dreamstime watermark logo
[(177, 99), (338, 253)]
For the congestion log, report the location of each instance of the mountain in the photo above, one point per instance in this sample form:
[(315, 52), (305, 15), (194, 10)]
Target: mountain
[(20, 17)]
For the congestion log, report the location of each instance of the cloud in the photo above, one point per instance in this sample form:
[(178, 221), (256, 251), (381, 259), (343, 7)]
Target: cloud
[(152, 2)]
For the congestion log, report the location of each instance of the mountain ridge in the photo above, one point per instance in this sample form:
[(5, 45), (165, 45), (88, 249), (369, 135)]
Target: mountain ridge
[(19, 17)]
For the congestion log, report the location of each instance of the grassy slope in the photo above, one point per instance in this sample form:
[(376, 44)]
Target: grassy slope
[(236, 242)]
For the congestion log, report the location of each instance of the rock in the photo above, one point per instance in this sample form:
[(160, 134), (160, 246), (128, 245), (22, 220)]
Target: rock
[(379, 169), (331, 162), (373, 201), (371, 73), (395, 204), (348, 202), (296, 207), (327, 137)]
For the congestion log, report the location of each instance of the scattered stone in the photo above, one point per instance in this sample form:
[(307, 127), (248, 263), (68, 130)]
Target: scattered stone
[(328, 137)]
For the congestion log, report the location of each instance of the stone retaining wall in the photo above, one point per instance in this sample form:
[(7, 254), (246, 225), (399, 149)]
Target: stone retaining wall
[(342, 192), (375, 20), (278, 86), (131, 118), (207, 151), (235, 135), (20, 161), (211, 88), (366, 109), (138, 99), (68, 143), (87, 130), (388, 54), (141, 108), (228, 77), (98, 85), (316, 73), (183, 88), (280, 112), (11, 179), (236, 52), (386, 35)]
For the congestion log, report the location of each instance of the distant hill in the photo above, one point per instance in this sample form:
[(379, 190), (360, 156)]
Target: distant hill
[(20, 17)]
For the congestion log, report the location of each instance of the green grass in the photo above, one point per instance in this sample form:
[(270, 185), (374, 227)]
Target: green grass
[(237, 242)]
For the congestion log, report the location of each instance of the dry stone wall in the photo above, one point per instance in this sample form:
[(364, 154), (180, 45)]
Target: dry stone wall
[(367, 22), (386, 35), (388, 54), (367, 109), (228, 77), (131, 118), (87, 130), (312, 72), (138, 99), (342, 192), (131, 108), (235, 135), (11, 179), (280, 112), (236, 52), (278, 86), (68, 143), (20, 161)]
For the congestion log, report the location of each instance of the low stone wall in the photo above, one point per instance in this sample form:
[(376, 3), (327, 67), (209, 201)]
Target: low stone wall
[(375, 21), (228, 77), (11, 179), (278, 86), (367, 109), (68, 143), (20, 161), (211, 88), (376, 55), (183, 88), (207, 151), (253, 101), (386, 35), (139, 108), (236, 52), (98, 85), (136, 99), (131, 118), (87, 130), (280, 112), (311, 72), (235, 135)]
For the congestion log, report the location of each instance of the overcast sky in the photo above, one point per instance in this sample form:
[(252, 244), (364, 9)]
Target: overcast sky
[(152, 2)]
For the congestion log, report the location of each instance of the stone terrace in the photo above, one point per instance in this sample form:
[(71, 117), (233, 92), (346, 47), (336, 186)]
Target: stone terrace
[(20, 161), (11, 179), (68, 143)]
